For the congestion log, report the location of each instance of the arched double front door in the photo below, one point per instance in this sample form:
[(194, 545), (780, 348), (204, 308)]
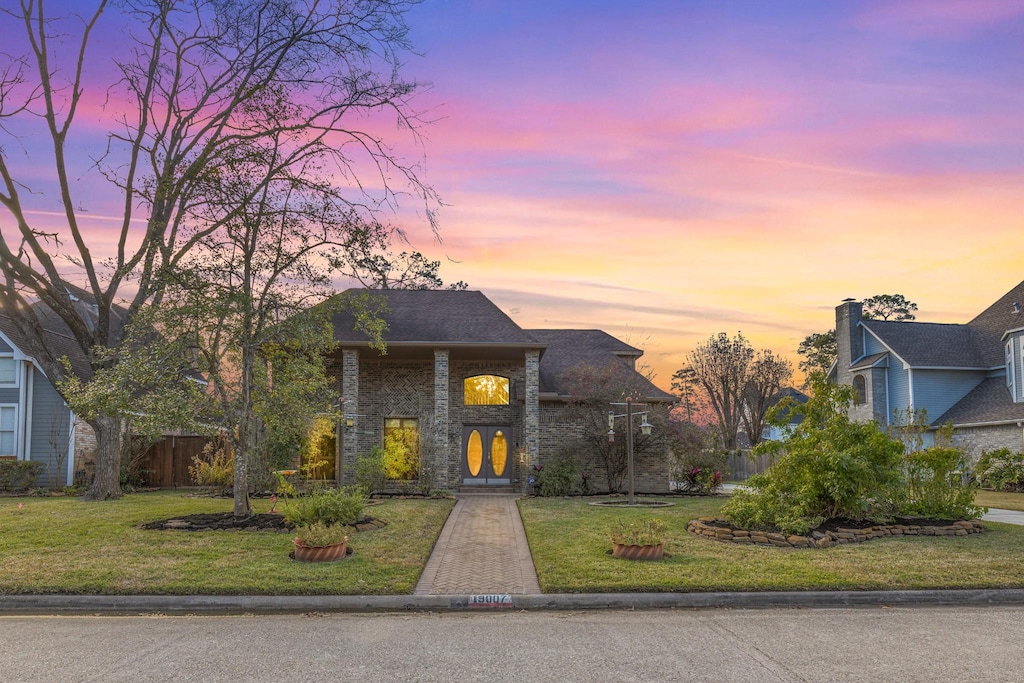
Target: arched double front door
[(486, 455)]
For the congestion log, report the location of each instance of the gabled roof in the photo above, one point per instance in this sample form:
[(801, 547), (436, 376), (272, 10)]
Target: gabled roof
[(797, 396), (433, 316), (929, 345), (567, 349), (58, 340), (994, 321), (988, 402)]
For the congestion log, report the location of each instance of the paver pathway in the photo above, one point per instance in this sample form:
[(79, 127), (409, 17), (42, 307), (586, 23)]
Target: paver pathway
[(482, 549)]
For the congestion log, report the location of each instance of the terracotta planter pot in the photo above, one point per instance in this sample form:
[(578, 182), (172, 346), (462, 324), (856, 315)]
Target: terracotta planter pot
[(638, 552), (328, 553)]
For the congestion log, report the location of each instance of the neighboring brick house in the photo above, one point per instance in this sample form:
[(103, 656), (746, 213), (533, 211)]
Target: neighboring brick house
[(482, 397), (969, 375)]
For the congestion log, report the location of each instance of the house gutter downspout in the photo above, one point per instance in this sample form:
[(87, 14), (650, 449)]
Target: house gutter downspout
[(910, 388)]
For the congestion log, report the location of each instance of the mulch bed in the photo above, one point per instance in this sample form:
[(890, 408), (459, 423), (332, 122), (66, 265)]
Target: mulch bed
[(226, 521)]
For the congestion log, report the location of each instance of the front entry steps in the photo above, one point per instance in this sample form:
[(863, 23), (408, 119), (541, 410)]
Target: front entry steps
[(503, 489)]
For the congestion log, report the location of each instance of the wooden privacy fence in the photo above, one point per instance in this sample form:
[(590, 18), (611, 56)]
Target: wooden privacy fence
[(744, 466), (166, 462)]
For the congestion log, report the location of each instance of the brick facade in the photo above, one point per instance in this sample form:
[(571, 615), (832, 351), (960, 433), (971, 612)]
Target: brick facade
[(561, 432), (432, 392)]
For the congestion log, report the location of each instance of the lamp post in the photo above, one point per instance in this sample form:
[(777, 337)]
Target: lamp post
[(645, 429)]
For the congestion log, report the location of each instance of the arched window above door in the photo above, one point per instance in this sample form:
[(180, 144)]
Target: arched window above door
[(485, 390)]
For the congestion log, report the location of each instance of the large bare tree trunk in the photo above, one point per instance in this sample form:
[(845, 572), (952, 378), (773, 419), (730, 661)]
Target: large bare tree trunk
[(106, 482)]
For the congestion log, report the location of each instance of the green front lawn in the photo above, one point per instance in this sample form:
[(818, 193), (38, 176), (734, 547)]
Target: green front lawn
[(63, 545), (997, 499), (569, 540)]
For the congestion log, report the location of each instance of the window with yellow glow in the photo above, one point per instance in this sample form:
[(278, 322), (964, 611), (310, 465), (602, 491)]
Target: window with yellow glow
[(486, 390), (401, 448)]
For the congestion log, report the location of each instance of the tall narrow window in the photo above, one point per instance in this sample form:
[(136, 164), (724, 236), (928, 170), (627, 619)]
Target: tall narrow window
[(1011, 382), (8, 442), (401, 448), (318, 453), (486, 390), (859, 390)]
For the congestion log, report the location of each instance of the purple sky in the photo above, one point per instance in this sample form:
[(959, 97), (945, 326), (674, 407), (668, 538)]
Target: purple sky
[(669, 170)]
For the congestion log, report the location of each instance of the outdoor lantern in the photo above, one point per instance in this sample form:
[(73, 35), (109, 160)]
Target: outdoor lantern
[(645, 427), (611, 420), (611, 436), (349, 421)]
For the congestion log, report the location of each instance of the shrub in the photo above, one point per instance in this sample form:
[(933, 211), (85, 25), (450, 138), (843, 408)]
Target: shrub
[(939, 485), (370, 471), (329, 506), (559, 477), (645, 532), (827, 467), (1000, 470), (697, 480), (16, 476), (320, 535), (215, 467)]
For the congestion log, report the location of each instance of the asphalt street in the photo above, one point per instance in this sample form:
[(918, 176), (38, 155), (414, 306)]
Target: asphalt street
[(850, 644)]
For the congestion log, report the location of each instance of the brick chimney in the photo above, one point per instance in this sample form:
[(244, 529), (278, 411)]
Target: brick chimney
[(849, 338)]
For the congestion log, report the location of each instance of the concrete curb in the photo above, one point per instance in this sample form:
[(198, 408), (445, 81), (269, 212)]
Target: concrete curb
[(211, 605)]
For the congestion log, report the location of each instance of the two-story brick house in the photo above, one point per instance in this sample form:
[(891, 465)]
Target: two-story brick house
[(481, 397)]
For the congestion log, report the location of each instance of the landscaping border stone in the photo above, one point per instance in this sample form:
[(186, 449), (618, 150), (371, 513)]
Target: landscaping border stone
[(706, 527)]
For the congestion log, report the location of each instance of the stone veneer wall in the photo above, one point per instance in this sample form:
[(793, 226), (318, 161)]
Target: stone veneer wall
[(85, 451), (825, 539), (974, 440)]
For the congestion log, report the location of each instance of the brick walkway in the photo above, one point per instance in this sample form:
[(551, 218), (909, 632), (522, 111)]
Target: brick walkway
[(482, 549)]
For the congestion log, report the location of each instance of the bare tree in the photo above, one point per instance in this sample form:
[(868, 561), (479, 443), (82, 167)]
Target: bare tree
[(766, 376), (197, 83), (720, 366)]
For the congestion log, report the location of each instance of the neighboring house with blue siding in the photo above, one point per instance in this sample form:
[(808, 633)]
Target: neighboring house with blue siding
[(968, 375), (35, 422)]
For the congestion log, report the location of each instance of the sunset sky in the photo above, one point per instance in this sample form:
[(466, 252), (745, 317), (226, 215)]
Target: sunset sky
[(669, 170)]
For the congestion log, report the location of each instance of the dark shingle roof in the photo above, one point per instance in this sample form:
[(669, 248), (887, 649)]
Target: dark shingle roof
[(990, 401), (934, 345), (58, 340), (437, 316), (868, 361), (992, 323), (570, 348)]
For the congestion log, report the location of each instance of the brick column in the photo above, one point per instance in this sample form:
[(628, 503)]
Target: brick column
[(442, 443), (350, 406), (531, 410)]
